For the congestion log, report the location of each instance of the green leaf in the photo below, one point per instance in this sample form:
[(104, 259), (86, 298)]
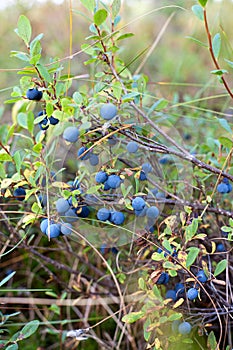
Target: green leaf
[(125, 36), (100, 16), (20, 55), (5, 157), (30, 122), (22, 120), (220, 267), (30, 328), (175, 316), (24, 29), (130, 96), (49, 109), (89, 4), (35, 48), (192, 255), (44, 72), (226, 142), (216, 45), (203, 2), (212, 343), (191, 230), (219, 71), (158, 105), (198, 11), (116, 6), (77, 97), (196, 41), (133, 317), (224, 123), (18, 161), (7, 278)]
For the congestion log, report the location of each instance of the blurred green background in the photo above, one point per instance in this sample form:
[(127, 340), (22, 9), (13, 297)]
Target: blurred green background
[(174, 61)]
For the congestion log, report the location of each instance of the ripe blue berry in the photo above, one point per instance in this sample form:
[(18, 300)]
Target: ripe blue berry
[(81, 151), (44, 124), (19, 193), (201, 276), (62, 205), (94, 159), (171, 294), (53, 120), (138, 203), (70, 216), (132, 147), (222, 188), (142, 176), (66, 229), (53, 230), (163, 278), (71, 134), (34, 94), (192, 293), (147, 168), (220, 248), (152, 212), (83, 211), (178, 286), (117, 217), (108, 111), (141, 213), (103, 214), (160, 195), (101, 177), (44, 225), (184, 328), (114, 181)]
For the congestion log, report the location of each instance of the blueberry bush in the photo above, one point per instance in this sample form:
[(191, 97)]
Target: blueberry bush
[(119, 199)]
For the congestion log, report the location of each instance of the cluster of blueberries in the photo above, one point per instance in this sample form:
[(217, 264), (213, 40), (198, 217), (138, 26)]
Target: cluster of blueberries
[(178, 292)]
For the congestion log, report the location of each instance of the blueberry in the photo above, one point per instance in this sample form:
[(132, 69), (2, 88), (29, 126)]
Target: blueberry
[(34, 94), (66, 229), (163, 278), (101, 177), (70, 216), (178, 286), (220, 248), (160, 195), (19, 193), (71, 134), (201, 276), (141, 213), (112, 140), (81, 150), (184, 328), (94, 159), (44, 225), (44, 124), (154, 191), (132, 147), (142, 176), (83, 211), (171, 294), (103, 214), (147, 168), (43, 200), (104, 248), (192, 293), (53, 120), (164, 160), (114, 250), (62, 205), (117, 217), (152, 212), (222, 188), (108, 111), (138, 203), (114, 181), (53, 230)]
